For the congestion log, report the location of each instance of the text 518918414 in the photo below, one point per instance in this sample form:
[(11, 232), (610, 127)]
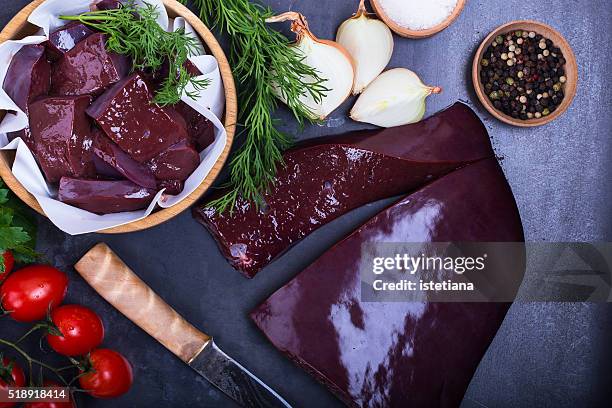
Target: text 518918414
[(35, 394)]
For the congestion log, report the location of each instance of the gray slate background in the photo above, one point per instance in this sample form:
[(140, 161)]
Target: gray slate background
[(554, 355)]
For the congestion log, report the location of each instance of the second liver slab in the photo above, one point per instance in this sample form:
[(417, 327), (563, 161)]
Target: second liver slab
[(397, 354)]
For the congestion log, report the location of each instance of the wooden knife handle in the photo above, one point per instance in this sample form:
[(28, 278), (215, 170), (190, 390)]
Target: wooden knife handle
[(120, 286)]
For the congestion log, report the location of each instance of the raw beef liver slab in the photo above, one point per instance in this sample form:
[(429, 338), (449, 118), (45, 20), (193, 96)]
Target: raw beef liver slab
[(104, 197), (66, 38), (88, 68), (201, 130), (27, 78), (328, 177), (175, 163), (106, 5), (111, 154), (173, 187), (141, 128), (412, 354), (62, 137)]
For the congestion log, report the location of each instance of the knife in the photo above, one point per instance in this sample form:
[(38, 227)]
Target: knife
[(120, 286)]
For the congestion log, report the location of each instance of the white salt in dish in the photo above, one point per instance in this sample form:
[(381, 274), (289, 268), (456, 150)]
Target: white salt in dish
[(418, 14), (418, 18)]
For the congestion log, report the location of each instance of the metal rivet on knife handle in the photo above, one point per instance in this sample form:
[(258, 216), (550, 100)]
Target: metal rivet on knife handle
[(120, 286)]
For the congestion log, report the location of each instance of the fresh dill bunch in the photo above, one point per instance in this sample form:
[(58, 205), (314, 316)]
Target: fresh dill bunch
[(134, 31), (262, 59)]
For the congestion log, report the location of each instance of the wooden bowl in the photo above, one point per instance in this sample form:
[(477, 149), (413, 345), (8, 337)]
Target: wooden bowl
[(571, 71), (416, 34), (19, 27)]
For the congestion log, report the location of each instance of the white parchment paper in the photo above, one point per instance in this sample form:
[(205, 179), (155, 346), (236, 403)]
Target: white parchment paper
[(72, 220)]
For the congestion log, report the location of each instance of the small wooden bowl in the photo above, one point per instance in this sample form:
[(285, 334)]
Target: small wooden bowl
[(416, 34), (571, 71), (19, 27)]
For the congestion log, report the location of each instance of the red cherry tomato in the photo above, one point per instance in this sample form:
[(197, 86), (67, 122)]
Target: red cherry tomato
[(18, 379), (112, 376), (82, 329), (29, 292), (9, 262), (49, 383)]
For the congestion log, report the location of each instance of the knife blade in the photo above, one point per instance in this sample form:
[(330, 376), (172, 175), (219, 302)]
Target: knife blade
[(233, 379), (123, 289)]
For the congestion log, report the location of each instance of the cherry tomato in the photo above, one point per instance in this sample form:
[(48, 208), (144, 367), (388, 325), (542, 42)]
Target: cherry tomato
[(49, 383), (9, 262), (112, 376), (29, 292), (82, 329), (17, 376)]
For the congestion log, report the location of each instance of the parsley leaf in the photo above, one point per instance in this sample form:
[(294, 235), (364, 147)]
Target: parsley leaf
[(17, 228)]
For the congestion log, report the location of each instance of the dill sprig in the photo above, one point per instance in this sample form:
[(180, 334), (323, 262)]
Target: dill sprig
[(262, 60), (133, 31)]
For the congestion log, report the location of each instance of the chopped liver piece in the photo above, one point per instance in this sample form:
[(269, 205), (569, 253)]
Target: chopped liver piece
[(62, 136), (173, 187), (66, 38), (201, 130), (328, 177), (192, 69), (111, 154), (105, 170), (27, 78), (175, 163), (88, 68), (106, 5), (157, 78), (397, 354), (104, 197), (141, 128)]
